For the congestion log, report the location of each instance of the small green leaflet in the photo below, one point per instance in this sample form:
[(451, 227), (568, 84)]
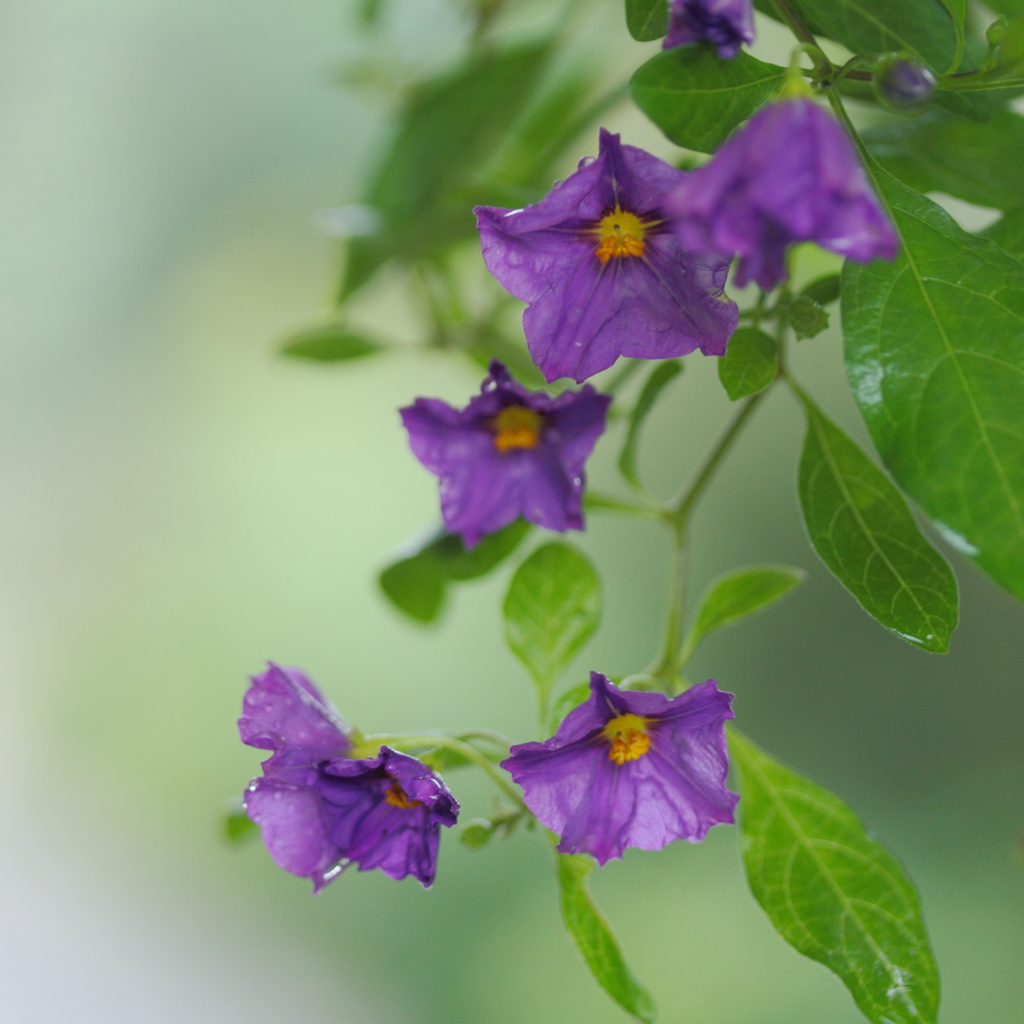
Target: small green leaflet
[(750, 363), (589, 930), (737, 594), (697, 99), (823, 290), (832, 892), (660, 376), (552, 608), (935, 358), (238, 827), (417, 583), (807, 318), (330, 344), (864, 532), (646, 19)]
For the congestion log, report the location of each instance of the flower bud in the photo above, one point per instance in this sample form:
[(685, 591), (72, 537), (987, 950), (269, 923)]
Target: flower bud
[(996, 31), (902, 84)]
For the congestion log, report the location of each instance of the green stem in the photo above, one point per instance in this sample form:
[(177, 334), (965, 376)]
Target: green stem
[(792, 19), (593, 501), (666, 667)]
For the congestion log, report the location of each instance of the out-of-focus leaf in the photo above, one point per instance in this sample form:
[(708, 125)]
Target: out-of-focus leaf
[(940, 152), (863, 530), (1010, 8), (1008, 232), (823, 290), (594, 939), (552, 608), (459, 563), (329, 344), (806, 317), (647, 19), (935, 358), (832, 891), (238, 827), (750, 363), (564, 703), (697, 99), (477, 833), (415, 586), (659, 378)]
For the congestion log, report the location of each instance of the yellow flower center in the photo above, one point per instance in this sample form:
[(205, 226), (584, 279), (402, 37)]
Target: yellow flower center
[(629, 737), (516, 427), (397, 797), (620, 234)]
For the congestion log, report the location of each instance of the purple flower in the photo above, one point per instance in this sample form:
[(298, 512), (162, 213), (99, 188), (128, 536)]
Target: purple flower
[(602, 272), (725, 23), (509, 453), (630, 769), (321, 811), (789, 175)]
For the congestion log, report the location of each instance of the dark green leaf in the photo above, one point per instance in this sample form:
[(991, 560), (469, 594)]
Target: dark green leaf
[(594, 939), (940, 152), (863, 530), (415, 586), (239, 827), (647, 19), (697, 99), (806, 317), (552, 608), (750, 363), (833, 892), (824, 290), (564, 703), (1008, 232), (660, 376), (739, 593), (935, 357), (330, 344)]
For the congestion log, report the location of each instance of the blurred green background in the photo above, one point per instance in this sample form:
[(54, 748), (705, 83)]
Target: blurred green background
[(180, 503)]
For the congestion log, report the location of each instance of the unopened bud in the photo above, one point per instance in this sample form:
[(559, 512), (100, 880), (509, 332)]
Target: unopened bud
[(901, 83), (996, 32)]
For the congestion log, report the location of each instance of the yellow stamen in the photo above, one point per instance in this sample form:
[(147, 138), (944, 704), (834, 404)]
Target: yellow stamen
[(629, 737), (621, 234), (397, 797), (516, 427)]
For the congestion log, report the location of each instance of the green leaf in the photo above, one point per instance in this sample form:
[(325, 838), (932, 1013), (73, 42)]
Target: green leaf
[(750, 363), (1010, 8), (238, 827), (330, 344), (647, 19), (552, 608), (823, 290), (806, 317), (935, 357), (477, 833), (564, 703), (738, 594), (594, 939), (832, 891), (660, 376), (416, 584), (697, 99), (940, 152), (1008, 232), (863, 530)]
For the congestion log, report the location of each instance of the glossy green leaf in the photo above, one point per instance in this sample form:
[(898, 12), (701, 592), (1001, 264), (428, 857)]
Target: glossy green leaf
[(832, 891), (1008, 232), (865, 533), (662, 374), (552, 608), (940, 152), (935, 357), (750, 363), (824, 290), (330, 344), (594, 939), (647, 19), (740, 593), (697, 99)]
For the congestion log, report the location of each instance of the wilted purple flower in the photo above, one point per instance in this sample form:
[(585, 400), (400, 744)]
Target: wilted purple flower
[(602, 272), (321, 811), (789, 175), (725, 23), (509, 453), (630, 769)]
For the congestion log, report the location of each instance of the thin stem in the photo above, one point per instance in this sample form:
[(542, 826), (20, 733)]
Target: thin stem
[(629, 368), (666, 667), (792, 19), (593, 501)]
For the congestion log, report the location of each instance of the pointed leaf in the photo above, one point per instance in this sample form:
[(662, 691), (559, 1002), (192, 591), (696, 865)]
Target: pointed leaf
[(824, 290), (647, 19), (863, 530), (935, 357), (832, 891), (750, 363), (330, 344), (697, 99), (661, 375), (594, 939)]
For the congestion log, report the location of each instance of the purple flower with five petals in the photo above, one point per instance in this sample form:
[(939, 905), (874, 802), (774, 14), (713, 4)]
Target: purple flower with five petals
[(602, 272), (728, 24), (627, 768), (509, 453), (321, 811), (789, 175)]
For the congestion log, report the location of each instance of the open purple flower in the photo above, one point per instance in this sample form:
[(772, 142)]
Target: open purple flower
[(603, 273), (630, 769), (321, 811), (728, 24), (509, 453), (789, 175)]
